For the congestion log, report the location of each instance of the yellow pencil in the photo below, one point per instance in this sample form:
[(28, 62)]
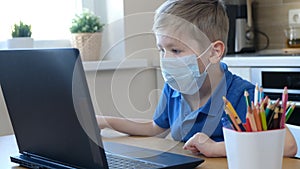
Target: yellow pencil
[(262, 114), (232, 118), (230, 108)]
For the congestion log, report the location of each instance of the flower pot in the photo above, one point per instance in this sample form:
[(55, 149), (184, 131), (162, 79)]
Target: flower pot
[(89, 45), (20, 42)]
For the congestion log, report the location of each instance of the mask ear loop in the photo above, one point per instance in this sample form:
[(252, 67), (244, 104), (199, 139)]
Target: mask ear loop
[(204, 51), (205, 70)]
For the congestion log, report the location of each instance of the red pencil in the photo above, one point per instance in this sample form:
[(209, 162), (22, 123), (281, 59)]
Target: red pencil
[(248, 125)]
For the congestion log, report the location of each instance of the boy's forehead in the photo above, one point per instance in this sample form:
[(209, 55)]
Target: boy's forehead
[(171, 33), (167, 37), (171, 41)]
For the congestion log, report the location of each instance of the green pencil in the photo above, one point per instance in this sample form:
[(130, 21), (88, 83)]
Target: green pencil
[(289, 111)]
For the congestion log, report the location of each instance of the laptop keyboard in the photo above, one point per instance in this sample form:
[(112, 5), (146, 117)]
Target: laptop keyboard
[(120, 162)]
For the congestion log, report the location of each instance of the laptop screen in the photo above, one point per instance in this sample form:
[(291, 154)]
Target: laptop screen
[(49, 84)]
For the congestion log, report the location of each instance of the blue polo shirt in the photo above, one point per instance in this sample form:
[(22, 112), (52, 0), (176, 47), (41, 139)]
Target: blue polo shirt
[(174, 112)]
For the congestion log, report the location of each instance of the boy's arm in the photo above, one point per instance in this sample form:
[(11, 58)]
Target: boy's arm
[(290, 145), (139, 127)]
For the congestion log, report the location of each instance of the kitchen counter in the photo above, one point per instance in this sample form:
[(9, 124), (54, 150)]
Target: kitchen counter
[(115, 64), (245, 64), (262, 60)]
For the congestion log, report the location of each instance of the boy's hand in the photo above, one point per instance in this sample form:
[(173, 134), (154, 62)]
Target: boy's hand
[(201, 143)]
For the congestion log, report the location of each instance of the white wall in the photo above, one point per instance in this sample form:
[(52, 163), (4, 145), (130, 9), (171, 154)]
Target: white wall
[(129, 93), (5, 124), (138, 26), (125, 92)]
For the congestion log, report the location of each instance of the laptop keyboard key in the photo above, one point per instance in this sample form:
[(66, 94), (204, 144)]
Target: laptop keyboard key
[(120, 162)]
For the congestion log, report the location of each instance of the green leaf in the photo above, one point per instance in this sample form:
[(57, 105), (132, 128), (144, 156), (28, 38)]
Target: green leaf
[(21, 30), (86, 22)]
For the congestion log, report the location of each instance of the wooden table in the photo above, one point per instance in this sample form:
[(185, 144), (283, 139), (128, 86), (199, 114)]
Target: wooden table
[(9, 147)]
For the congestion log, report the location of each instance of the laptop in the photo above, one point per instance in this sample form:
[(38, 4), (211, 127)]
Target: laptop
[(53, 119)]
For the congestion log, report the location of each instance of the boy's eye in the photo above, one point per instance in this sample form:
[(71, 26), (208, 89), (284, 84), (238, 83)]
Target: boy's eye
[(175, 51)]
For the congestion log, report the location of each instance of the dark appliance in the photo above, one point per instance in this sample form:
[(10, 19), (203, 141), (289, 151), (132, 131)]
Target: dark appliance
[(241, 36), (273, 80)]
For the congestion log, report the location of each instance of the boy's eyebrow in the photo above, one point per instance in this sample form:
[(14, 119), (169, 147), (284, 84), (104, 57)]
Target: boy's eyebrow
[(168, 45)]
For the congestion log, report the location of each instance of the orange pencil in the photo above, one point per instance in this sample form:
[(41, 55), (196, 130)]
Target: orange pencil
[(251, 119), (233, 120), (257, 117)]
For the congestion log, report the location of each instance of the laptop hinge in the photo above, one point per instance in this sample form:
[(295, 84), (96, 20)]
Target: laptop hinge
[(46, 161)]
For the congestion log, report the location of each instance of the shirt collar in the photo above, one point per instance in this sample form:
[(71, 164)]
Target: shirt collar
[(176, 94)]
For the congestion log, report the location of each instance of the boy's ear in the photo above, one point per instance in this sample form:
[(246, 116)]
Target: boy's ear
[(218, 49)]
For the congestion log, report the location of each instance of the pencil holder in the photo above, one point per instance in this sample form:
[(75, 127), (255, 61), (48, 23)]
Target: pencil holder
[(254, 150)]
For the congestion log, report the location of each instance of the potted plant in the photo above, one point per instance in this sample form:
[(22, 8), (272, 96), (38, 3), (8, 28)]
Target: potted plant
[(21, 36), (86, 32)]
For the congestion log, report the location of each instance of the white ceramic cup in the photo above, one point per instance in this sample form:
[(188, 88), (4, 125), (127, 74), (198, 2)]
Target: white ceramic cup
[(254, 150)]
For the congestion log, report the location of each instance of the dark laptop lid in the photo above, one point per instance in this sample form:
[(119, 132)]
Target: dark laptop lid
[(49, 84)]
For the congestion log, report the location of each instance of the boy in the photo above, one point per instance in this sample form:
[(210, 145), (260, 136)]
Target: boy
[(191, 36)]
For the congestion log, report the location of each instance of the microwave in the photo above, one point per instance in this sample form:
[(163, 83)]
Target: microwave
[(273, 80)]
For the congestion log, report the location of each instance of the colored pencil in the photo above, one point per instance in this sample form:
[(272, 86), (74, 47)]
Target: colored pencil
[(256, 91), (252, 120), (235, 115), (290, 111), (263, 118), (257, 117), (270, 109), (230, 115), (275, 122), (261, 94), (283, 106), (247, 124), (247, 99), (226, 123)]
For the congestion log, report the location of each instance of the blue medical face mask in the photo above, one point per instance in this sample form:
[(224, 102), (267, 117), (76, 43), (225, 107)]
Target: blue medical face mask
[(182, 74)]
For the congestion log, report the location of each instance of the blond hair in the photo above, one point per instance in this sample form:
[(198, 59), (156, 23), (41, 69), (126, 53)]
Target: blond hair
[(208, 16)]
